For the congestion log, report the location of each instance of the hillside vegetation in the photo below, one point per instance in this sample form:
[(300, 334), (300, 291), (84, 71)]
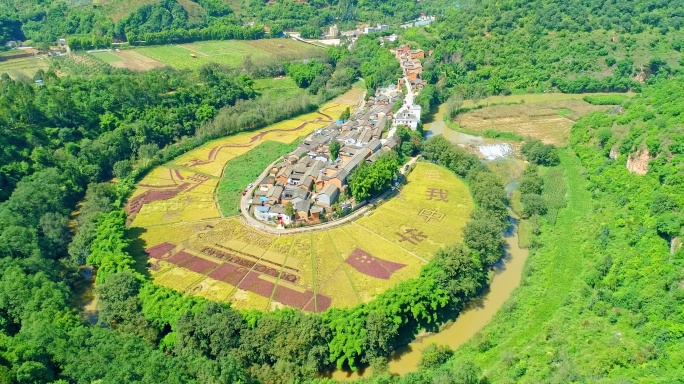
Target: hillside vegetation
[(602, 296), (491, 48)]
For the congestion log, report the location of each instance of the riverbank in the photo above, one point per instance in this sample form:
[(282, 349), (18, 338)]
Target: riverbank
[(506, 278)]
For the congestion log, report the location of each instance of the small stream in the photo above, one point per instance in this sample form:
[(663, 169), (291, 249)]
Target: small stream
[(437, 126)]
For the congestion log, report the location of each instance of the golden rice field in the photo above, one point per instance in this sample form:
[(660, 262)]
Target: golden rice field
[(183, 190), (187, 246), (224, 259)]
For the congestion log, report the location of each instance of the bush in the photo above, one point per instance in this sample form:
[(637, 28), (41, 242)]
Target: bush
[(435, 355), (533, 205), (605, 99), (540, 153)]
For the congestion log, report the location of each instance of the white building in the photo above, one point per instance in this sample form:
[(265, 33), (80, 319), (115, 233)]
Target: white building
[(333, 32), (408, 116)]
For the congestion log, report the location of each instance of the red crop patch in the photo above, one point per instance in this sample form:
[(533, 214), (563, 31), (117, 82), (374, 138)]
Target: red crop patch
[(372, 266), (180, 258), (160, 250), (200, 265), (229, 273)]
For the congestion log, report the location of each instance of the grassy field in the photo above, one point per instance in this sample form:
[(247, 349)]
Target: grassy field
[(531, 98), (107, 57), (310, 270), (279, 86), (128, 59), (229, 52), (25, 67), (243, 170)]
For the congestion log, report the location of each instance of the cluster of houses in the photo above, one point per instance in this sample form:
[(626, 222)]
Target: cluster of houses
[(309, 181), (354, 34), (409, 59), (412, 67)]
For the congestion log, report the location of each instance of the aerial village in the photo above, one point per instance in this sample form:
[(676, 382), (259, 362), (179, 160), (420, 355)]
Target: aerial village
[(307, 183)]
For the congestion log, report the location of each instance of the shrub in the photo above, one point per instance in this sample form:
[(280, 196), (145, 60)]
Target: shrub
[(605, 99), (540, 153)]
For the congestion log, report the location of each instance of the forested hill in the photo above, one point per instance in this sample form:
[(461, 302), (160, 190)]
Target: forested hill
[(493, 47), (46, 21), (612, 306)]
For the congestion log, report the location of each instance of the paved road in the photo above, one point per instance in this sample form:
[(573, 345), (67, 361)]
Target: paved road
[(250, 220)]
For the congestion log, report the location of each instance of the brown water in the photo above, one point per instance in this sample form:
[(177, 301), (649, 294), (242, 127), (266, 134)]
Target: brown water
[(437, 126), (506, 278)]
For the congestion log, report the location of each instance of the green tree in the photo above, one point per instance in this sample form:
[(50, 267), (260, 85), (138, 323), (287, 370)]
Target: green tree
[(334, 149), (289, 209), (434, 355), (344, 116)]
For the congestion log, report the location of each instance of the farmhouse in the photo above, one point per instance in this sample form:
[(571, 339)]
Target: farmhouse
[(408, 116), (328, 196), (311, 178)]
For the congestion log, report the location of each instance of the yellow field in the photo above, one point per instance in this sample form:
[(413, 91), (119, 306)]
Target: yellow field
[(315, 263), (549, 122), (338, 267), (192, 177)]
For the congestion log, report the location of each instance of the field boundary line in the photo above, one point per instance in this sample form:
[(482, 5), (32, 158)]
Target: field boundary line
[(171, 165), (275, 286), (248, 272), (312, 254), (343, 267), (192, 50)]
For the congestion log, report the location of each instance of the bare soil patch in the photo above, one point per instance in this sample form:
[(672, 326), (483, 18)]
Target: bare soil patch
[(549, 122), (135, 61)]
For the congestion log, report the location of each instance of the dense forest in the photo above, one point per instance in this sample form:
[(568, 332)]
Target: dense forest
[(493, 48), (171, 21)]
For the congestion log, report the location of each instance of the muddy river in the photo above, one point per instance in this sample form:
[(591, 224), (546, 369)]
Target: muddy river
[(507, 276)]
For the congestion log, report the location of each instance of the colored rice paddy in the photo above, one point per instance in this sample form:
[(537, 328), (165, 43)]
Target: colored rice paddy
[(189, 247)]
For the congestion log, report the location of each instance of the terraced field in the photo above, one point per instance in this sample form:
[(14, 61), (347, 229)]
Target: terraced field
[(24, 68)]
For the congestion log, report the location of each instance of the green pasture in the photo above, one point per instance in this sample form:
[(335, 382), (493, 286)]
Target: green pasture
[(228, 52)]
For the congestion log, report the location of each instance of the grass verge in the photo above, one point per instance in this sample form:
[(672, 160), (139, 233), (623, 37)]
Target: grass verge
[(521, 328)]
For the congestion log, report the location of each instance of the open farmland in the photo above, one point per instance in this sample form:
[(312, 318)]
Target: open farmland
[(25, 67), (184, 189), (549, 121), (223, 259), (229, 52), (128, 59)]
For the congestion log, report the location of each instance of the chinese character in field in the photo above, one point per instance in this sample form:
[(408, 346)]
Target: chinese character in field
[(430, 214), (412, 236), (437, 194)]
